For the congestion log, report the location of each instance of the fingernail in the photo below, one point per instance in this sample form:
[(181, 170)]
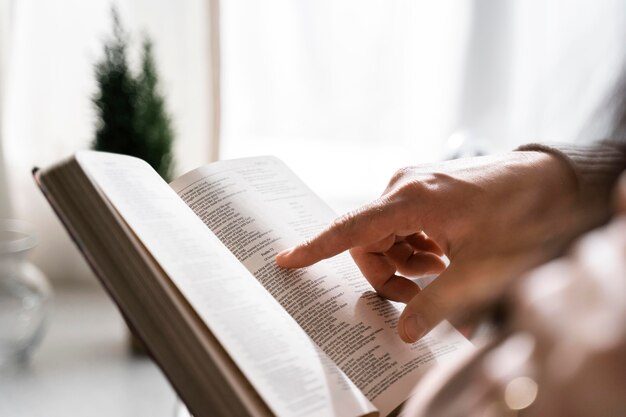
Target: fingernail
[(284, 253), (414, 328), (280, 258)]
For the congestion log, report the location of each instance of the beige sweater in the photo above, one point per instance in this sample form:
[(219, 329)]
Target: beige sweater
[(596, 166)]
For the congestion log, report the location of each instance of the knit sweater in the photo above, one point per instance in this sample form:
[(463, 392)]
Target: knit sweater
[(596, 167)]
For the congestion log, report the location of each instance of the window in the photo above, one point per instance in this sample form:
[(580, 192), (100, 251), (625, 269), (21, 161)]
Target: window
[(344, 92)]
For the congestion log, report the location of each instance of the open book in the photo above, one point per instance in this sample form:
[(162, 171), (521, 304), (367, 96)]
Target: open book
[(191, 267)]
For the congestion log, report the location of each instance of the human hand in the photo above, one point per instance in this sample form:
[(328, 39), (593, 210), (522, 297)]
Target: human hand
[(479, 212), (564, 328)]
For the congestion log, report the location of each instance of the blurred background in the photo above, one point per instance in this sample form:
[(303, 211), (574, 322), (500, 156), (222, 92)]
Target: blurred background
[(344, 92)]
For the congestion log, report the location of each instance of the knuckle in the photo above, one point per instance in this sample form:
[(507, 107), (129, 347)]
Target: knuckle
[(308, 243), (410, 189), (344, 222), (409, 195), (344, 225), (399, 176)]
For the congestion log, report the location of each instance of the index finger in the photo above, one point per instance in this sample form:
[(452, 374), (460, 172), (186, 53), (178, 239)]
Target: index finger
[(364, 226)]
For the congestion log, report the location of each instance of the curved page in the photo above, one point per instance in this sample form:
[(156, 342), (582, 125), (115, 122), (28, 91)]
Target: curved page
[(272, 351), (258, 207)]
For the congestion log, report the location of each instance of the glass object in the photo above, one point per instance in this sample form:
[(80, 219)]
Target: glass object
[(24, 294)]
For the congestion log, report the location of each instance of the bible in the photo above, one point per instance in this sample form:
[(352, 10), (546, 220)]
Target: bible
[(191, 267)]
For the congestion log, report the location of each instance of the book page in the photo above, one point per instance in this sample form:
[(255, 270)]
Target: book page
[(277, 357), (258, 207)]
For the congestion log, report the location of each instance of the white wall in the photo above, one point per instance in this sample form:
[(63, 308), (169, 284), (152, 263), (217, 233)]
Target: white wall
[(48, 113)]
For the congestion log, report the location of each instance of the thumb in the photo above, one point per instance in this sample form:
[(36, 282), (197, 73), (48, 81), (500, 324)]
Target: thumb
[(463, 289), (427, 309)]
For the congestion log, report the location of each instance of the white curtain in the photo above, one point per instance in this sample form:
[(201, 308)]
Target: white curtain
[(348, 91), (540, 70), (49, 82), (344, 91)]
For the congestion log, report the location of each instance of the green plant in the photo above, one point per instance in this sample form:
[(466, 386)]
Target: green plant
[(132, 118), (153, 123)]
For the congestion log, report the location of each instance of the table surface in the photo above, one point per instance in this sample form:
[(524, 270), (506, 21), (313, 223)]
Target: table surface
[(84, 366)]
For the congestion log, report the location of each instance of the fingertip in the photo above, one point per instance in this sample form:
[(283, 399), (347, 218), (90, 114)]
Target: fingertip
[(296, 257), (411, 328), (283, 258), (441, 265)]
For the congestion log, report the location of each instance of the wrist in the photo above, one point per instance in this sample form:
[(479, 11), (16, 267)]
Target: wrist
[(596, 168)]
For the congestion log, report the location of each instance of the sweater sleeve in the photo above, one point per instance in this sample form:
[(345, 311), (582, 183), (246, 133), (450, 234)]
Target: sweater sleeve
[(596, 166)]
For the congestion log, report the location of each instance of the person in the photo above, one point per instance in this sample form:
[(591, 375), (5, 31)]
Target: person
[(493, 217), (563, 337), (498, 219), (512, 230)]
